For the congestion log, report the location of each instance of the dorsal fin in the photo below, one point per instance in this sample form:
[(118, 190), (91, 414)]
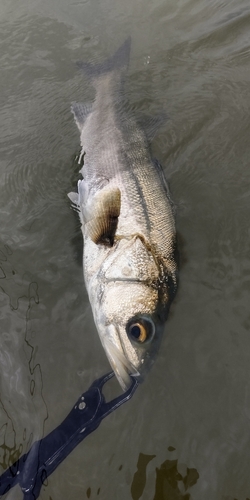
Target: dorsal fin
[(80, 112)]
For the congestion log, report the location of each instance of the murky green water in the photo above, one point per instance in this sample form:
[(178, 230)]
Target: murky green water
[(192, 59)]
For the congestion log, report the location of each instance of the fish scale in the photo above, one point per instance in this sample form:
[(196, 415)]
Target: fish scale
[(128, 225)]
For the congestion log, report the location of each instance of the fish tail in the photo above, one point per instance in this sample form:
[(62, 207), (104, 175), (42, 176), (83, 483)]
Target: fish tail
[(119, 60)]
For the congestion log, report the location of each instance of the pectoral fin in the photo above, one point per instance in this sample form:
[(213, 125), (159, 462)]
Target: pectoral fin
[(101, 224), (74, 198)]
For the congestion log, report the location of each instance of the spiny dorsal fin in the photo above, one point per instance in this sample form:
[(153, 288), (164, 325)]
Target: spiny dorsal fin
[(106, 208), (80, 112)]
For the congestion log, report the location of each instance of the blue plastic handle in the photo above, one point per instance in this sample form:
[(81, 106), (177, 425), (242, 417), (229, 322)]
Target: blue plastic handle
[(32, 469)]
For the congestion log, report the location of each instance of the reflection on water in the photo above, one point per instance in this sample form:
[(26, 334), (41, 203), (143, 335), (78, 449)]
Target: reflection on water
[(20, 375), (190, 58), (173, 480), (139, 480), (170, 483)]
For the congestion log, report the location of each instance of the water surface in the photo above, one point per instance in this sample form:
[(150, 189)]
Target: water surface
[(186, 433)]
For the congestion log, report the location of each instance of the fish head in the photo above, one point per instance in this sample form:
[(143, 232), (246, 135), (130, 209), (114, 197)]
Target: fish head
[(130, 313), (132, 329)]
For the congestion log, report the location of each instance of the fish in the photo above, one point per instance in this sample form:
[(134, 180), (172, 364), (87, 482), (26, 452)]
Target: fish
[(127, 221)]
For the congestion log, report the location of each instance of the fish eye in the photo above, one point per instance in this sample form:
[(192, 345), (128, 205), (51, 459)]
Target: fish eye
[(140, 330)]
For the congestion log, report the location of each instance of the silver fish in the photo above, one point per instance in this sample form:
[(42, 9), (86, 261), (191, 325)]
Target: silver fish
[(128, 225)]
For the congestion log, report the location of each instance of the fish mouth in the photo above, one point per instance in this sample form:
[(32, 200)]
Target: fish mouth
[(121, 366)]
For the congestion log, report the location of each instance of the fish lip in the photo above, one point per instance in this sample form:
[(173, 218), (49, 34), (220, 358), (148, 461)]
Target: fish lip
[(121, 366), (126, 280)]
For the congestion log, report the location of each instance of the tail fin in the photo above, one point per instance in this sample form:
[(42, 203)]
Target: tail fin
[(119, 60)]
